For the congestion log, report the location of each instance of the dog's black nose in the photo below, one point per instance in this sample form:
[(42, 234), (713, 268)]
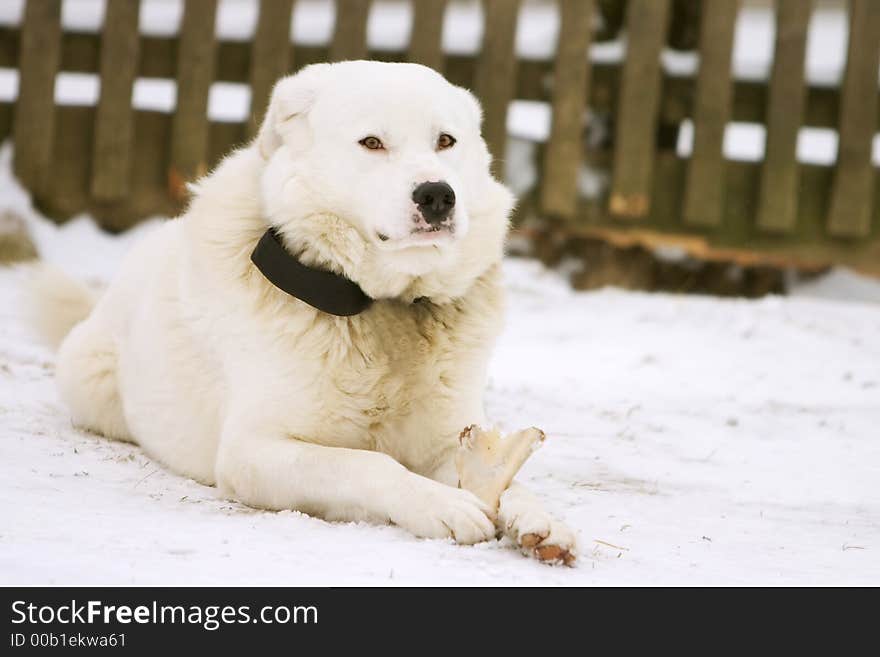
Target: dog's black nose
[(435, 200)]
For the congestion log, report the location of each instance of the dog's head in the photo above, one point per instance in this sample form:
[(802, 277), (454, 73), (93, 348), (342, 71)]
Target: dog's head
[(381, 167)]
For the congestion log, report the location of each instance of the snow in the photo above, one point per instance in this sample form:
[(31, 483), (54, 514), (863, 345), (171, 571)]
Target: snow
[(840, 283), (691, 440), (77, 89), (746, 142), (156, 94), (229, 102)]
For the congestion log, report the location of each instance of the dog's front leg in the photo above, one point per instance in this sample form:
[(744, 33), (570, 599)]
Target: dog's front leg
[(522, 517), (266, 469)]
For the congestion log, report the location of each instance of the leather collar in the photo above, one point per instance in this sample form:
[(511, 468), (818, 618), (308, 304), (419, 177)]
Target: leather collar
[(328, 292)]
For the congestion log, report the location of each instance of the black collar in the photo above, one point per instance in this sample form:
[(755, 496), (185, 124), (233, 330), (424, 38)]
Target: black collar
[(324, 290)]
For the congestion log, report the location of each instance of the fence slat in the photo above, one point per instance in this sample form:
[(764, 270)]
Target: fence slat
[(853, 188), (35, 110), (426, 38), (195, 73), (495, 77), (635, 137), (777, 204), (562, 161), (704, 188), (114, 127), (350, 35), (270, 55)]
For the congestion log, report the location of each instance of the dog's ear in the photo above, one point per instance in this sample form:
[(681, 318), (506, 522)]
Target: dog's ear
[(291, 99), (473, 106)]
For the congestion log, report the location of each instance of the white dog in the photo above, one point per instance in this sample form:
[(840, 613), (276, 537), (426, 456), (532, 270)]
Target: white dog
[(374, 172)]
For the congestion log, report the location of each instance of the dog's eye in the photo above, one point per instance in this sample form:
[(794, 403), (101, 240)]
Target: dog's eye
[(373, 143), (445, 141)]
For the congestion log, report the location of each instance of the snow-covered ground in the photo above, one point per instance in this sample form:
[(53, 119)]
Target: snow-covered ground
[(691, 441)]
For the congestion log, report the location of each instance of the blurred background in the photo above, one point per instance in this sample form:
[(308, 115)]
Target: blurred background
[(718, 146)]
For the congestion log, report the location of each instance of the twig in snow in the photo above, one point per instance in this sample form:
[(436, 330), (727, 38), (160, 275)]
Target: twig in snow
[(145, 478)]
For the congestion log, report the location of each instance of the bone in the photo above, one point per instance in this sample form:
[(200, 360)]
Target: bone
[(487, 463)]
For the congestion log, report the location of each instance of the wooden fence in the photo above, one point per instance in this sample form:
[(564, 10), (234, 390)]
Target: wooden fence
[(122, 164)]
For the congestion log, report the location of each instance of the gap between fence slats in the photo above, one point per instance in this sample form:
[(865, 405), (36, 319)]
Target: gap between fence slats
[(426, 38), (35, 109), (270, 55), (564, 154), (495, 76), (114, 128), (852, 194), (635, 137), (777, 204), (350, 35), (704, 189), (195, 73)]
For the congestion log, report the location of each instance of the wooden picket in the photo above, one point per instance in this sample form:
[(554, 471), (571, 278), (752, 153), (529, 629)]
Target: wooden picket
[(35, 109), (426, 37), (114, 119), (350, 37), (195, 73), (632, 178), (777, 209), (565, 151), (270, 55), (495, 78), (704, 188), (853, 192)]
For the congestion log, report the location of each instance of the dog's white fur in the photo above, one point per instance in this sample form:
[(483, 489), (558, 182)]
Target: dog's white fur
[(192, 354)]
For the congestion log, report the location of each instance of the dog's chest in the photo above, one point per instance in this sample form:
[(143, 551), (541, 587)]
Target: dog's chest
[(393, 359), (397, 371)]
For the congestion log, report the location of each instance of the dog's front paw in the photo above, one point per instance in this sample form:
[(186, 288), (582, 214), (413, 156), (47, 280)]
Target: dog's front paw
[(435, 510), (554, 543), (536, 532)]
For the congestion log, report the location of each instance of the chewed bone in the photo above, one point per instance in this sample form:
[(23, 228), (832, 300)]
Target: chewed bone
[(487, 463)]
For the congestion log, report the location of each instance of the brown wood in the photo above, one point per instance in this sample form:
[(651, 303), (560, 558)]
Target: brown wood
[(350, 35), (704, 189), (67, 192), (564, 153), (114, 127), (270, 55), (853, 190), (638, 105), (34, 127), (195, 73), (426, 38), (777, 207), (495, 76), (812, 249)]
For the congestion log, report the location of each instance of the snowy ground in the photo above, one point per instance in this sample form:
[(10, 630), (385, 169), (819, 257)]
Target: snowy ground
[(691, 441)]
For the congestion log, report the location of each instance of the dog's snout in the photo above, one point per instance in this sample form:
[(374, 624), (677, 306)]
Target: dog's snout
[(435, 201)]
